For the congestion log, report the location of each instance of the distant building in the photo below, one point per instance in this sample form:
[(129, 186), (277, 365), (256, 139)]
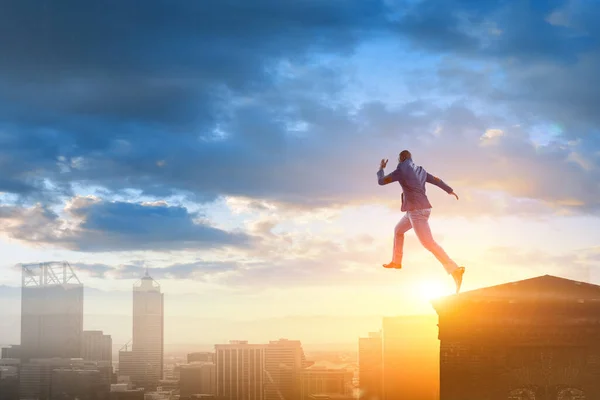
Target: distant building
[(410, 358), (531, 339), (96, 346), (13, 351), (51, 311), (81, 384), (240, 369), (332, 397), (9, 383), (370, 367), (197, 379), (284, 361), (201, 356), (37, 379), (124, 391), (325, 381), (144, 363)]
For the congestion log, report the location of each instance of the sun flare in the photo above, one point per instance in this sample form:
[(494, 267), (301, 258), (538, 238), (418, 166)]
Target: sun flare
[(431, 289)]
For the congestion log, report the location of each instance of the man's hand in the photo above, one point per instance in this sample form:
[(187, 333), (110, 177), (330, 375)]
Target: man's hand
[(383, 164), (454, 194)]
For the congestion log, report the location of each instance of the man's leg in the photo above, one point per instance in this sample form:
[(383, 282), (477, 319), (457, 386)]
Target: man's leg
[(420, 222), (401, 228)]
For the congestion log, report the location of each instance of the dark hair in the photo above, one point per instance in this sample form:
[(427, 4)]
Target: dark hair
[(405, 154)]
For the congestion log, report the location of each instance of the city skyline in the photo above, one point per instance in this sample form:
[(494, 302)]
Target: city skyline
[(211, 168)]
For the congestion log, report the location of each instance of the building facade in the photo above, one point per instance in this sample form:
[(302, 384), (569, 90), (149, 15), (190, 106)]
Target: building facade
[(144, 363), (370, 367), (284, 361), (96, 346), (13, 351), (321, 381), (410, 358), (536, 339), (51, 311), (240, 370), (197, 379)]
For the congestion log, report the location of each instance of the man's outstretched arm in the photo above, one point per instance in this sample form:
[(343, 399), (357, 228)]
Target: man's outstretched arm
[(441, 184)]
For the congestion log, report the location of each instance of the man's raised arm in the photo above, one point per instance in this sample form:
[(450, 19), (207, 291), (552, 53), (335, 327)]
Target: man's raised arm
[(383, 179)]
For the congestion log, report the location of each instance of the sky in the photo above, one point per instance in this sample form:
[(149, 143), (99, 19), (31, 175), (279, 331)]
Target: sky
[(231, 148)]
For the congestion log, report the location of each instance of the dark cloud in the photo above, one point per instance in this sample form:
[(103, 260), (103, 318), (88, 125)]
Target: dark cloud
[(248, 99), (132, 97), (96, 225)]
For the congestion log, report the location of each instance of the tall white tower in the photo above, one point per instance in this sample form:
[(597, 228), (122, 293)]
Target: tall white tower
[(148, 332)]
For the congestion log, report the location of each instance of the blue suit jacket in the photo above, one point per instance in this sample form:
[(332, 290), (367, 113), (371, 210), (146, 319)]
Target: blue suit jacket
[(412, 178)]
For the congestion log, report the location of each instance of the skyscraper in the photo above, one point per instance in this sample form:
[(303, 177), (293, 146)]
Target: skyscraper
[(197, 378), (410, 361), (51, 311), (96, 346), (146, 360), (370, 363), (240, 370), (284, 361)]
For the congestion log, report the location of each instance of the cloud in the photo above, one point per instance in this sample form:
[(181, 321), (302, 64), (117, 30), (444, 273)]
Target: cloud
[(93, 225), (199, 270), (255, 102)]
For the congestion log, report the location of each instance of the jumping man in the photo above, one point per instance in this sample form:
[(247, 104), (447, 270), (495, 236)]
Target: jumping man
[(412, 179)]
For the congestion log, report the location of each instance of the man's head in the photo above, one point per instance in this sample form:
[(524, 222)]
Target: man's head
[(404, 155)]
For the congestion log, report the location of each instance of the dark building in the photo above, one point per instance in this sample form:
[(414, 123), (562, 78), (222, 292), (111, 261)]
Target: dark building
[(128, 394), (76, 384), (535, 339), (9, 383), (199, 378)]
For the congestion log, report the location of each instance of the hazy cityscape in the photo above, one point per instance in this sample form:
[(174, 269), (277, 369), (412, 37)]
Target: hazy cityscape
[(530, 339)]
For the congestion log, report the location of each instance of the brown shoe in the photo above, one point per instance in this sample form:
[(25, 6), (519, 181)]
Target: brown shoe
[(392, 265), (458, 277)]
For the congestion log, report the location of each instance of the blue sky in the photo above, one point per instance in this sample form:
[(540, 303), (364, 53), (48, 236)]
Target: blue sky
[(231, 147)]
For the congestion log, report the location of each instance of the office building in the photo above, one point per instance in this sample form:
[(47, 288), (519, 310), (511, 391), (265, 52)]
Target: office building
[(96, 346), (51, 311), (410, 358), (531, 339), (284, 361), (81, 384), (13, 351), (325, 381), (197, 378), (144, 363), (124, 391), (370, 366), (37, 379), (240, 369), (9, 383)]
